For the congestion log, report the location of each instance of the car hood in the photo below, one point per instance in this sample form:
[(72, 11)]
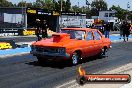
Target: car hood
[(57, 40)]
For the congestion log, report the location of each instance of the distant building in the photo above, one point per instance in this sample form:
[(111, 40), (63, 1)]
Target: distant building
[(108, 16)]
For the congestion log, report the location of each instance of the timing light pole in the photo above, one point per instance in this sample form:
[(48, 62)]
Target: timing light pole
[(61, 15), (24, 15), (61, 5), (128, 7), (87, 3)]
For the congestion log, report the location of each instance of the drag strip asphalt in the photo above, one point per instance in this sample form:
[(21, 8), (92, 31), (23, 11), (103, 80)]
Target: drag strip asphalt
[(23, 71)]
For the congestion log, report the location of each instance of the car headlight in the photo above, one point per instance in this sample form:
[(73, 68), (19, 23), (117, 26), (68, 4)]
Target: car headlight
[(61, 50)]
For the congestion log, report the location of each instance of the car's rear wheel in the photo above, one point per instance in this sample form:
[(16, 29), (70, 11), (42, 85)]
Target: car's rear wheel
[(103, 52), (75, 58)]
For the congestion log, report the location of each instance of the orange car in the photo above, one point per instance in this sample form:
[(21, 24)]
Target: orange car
[(72, 43)]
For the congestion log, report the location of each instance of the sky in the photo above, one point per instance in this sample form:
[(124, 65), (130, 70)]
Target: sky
[(121, 3)]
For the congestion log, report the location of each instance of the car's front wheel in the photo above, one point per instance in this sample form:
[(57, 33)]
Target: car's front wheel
[(75, 58)]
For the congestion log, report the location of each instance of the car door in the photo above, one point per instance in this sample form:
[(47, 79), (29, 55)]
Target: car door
[(97, 42), (89, 44)]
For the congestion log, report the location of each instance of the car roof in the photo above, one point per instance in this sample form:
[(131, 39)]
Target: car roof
[(83, 29)]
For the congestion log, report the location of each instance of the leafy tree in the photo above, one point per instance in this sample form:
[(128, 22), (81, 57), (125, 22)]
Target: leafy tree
[(46, 4), (49, 4), (29, 4), (24, 4), (120, 13), (63, 5), (98, 5), (129, 17), (68, 6), (5, 3), (76, 9), (56, 7), (15, 5), (21, 4), (87, 11), (39, 3)]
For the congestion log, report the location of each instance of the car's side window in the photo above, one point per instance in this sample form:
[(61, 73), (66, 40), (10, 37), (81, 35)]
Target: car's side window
[(89, 36), (97, 36)]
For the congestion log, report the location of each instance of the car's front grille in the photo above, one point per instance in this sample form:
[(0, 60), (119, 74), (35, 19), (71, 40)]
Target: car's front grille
[(39, 49), (47, 50)]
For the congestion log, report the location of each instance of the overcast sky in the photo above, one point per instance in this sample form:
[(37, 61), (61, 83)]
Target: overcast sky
[(121, 3)]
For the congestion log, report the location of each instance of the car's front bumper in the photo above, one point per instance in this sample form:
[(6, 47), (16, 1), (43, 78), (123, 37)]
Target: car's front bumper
[(48, 55)]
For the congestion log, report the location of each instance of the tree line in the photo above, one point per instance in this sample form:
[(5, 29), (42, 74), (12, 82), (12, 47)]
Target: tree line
[(90, 9)]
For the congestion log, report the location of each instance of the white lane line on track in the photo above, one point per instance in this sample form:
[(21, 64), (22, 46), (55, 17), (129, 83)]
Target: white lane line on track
[(65, 84), (74, 86), (127, 85)]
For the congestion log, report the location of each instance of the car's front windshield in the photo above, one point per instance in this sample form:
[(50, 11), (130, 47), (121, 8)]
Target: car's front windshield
[(75, 34)]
